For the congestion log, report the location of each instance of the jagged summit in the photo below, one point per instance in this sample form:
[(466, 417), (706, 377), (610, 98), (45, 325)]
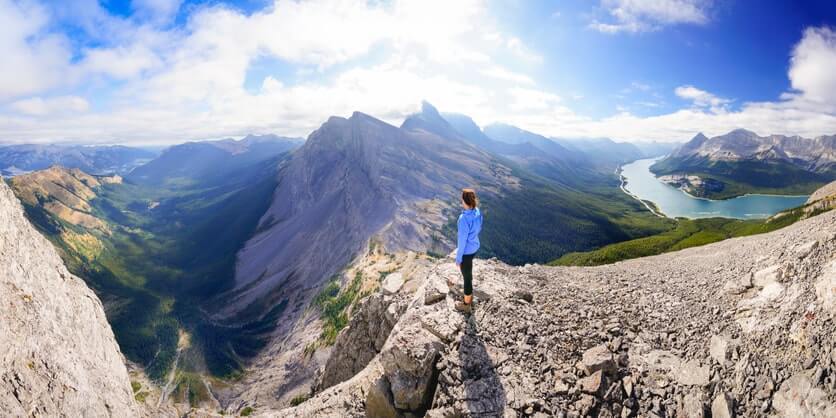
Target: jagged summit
[(430, 120)]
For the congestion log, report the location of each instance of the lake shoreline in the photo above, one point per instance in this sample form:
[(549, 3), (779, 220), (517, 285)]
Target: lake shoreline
[(638, 182)]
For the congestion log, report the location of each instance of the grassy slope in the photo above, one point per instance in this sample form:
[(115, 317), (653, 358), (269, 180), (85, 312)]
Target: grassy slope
[(744, 177), (688, 233)]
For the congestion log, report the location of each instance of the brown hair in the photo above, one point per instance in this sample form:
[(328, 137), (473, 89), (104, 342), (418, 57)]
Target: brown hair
[(469, 198)]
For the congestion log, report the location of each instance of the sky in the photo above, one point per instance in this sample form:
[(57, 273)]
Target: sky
[(167, 71)]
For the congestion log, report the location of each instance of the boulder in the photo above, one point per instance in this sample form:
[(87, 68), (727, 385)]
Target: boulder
[(392, 283), (719, 347), (408, 360), (435, 291), (379, 402), (722, 406), (826, 288), (598, 358), (593, 384)]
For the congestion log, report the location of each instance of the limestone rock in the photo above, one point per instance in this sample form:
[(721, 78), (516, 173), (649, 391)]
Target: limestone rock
[(392, 283), (435, 291), (826, 288), (379, 402), (409, 365), (690, 373), (799, 398), (593, 384), (693, 405), (598, 358), (58, 355), (722, 406)]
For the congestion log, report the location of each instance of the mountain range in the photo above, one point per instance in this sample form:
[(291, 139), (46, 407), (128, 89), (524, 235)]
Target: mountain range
[(92, 159), (742, 162)]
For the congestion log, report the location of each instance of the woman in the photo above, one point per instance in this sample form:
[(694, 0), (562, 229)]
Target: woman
[(470, 224)]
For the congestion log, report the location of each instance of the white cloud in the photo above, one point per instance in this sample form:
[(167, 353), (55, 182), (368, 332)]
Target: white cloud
[(648, 15), (701, 98), (507, 75), (177, 84), (37, 106), (813, 65), (33, 59)]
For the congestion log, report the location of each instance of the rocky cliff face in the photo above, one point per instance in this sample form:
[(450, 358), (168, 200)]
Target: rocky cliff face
[(58, 356), (743, 327)]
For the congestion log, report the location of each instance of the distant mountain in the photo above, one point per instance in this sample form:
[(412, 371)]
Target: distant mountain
[(207, 161), (92, 159), (742, 162), (604, 149), (656, 149)]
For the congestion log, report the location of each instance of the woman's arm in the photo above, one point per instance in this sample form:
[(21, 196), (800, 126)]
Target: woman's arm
[(464, 231)]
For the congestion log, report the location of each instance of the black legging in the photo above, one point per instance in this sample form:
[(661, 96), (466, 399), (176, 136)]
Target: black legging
[(467, 273)]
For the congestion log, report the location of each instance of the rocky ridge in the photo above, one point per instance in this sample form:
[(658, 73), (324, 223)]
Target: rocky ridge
[(743, 327)]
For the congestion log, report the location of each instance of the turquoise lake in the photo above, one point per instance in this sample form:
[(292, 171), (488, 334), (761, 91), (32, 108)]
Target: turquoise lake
[(673, 202)]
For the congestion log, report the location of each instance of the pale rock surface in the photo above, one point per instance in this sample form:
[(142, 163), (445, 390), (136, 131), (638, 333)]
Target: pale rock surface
[(58, 355)]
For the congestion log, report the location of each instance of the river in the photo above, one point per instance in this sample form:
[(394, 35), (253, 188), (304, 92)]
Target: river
[(640, 182)]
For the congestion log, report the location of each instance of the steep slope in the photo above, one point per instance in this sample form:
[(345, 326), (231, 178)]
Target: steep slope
[(738, 328), (94, 159), (64, 193), (58, 356), (742, 162)]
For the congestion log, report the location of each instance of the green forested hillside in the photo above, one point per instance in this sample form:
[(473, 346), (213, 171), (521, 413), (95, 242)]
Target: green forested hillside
[(688, 233)]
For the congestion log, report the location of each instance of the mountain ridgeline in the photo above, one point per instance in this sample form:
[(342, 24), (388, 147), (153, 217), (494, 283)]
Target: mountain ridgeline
[(92, 159), (742, 162)]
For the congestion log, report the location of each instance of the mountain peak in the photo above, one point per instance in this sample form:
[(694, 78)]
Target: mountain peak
[(430, 120)]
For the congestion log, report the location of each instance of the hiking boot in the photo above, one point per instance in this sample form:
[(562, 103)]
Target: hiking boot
[(464, 307)]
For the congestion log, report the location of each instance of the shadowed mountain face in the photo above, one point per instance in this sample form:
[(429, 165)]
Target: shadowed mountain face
[(209, 161), (743, 162), (116, 159)]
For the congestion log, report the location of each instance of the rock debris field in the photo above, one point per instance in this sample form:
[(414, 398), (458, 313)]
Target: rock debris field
[(741, 328)]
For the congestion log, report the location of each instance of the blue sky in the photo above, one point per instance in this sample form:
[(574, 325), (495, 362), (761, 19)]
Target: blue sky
[(156, 71)]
